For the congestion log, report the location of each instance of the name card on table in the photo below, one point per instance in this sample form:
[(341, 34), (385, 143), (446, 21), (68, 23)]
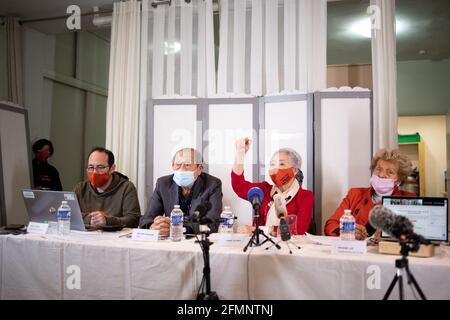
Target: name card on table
[(37, 228), (145, 235), (232, 239), (349, 247)]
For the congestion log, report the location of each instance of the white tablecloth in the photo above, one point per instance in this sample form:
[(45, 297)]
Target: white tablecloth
[(35, 267)]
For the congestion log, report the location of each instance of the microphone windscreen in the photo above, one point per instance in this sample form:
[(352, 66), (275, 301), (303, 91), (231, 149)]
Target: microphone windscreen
[(280, 206), (255, 191), (395, 225)]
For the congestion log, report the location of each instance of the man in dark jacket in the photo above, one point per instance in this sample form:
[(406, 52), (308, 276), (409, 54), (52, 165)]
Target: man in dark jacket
[(108, 198), (187, 187)]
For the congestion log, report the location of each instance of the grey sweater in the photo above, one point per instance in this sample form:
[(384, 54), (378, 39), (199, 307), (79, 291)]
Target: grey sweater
[(119, 201)]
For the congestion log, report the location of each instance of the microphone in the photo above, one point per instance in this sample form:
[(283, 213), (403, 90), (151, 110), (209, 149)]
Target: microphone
[(198, 221), (255, 196), (203, 209), (280, 206), (397, 226), (281, 212)]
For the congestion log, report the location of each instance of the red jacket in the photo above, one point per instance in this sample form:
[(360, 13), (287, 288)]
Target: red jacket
[(359, 200), (301, 205)]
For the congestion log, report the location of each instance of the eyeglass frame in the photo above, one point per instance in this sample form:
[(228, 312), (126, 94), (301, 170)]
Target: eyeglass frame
[(96, 168)]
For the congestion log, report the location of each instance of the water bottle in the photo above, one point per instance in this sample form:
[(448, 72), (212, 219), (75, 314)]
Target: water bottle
[(63, 216), (347, 226), (226, 221), (176, 224)]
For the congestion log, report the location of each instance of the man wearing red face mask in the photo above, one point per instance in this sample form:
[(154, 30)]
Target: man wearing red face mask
[(389, 170), (286, 175), (45, 176), (108, 198)]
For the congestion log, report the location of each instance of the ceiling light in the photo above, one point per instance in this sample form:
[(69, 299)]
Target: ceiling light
[(363, 27)]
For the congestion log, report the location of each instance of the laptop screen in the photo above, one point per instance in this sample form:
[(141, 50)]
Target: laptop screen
[(428, 215)]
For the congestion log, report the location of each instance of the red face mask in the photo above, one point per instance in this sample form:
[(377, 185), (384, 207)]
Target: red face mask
[(281, 176), (42, 155), (98, 179)]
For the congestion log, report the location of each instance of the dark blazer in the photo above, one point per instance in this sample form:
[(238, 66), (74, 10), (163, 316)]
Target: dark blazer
[(206, 189)]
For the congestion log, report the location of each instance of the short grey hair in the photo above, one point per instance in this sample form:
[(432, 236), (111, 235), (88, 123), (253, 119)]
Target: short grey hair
[(198, 159), (296, 159)]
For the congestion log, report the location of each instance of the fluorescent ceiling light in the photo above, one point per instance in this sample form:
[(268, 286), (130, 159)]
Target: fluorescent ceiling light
[(363, 27)]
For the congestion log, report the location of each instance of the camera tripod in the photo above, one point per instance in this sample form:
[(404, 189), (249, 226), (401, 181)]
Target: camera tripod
[(254, 240), (402, 264), (204, 291)]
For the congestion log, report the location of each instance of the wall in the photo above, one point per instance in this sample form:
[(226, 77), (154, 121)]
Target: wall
[(433, 132), (3, 85), (349, 76), (38, 58), (65, 84), (422, 85)]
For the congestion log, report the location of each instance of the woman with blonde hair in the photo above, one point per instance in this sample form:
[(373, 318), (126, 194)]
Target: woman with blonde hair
[(390, 169)]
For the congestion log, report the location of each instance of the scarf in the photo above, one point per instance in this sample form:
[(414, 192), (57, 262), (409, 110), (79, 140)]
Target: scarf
[(288, 195)]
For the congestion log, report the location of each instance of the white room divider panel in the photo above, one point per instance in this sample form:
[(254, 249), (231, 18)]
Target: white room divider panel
[(15, 163), (288, 123), (343, 147), (174, 124), (226, 121)]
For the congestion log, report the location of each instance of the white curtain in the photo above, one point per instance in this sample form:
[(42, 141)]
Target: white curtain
[(181, 56), (14, 60), (123, 111), (272, 46), (384, 68)]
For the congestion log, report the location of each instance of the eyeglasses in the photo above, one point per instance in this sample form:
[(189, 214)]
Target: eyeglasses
[(188, 166), (99, 168)]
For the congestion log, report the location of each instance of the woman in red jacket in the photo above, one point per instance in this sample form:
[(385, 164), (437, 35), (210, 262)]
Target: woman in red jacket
[(389, 170), (285, 173)]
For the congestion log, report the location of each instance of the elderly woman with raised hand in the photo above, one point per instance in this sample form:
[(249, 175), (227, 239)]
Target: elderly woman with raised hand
[(286, 175), (389, 170)]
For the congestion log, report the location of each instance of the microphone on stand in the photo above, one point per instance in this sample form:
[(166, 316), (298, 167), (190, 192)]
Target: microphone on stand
[(281, 212)]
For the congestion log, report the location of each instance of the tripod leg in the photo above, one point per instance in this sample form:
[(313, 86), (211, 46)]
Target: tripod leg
[(415, 284), (400, 287), (249, 242), (289, 247), (391, 287)]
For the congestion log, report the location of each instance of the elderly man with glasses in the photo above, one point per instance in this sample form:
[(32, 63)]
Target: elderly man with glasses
[(108, 198), (187, 187)]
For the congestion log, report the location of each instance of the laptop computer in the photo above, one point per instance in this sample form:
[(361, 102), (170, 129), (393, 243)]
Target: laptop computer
[(428, 215), (42, 206)]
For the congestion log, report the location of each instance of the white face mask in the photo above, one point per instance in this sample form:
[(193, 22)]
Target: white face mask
[(184, 179)]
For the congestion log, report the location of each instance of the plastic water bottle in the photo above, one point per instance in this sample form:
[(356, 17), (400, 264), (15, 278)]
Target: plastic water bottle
[(226, 221), (63, 216), (176, 224), (347, 226)]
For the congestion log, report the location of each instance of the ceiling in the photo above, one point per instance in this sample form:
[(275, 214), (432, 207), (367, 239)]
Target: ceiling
[(426, 34)]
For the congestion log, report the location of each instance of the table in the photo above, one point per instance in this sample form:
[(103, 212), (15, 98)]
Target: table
[(114, 267)]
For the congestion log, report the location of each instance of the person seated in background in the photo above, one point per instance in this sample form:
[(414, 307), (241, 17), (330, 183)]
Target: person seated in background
[(389, 170), (188, 187), (45, 176), (286, 175), (108, 198)]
